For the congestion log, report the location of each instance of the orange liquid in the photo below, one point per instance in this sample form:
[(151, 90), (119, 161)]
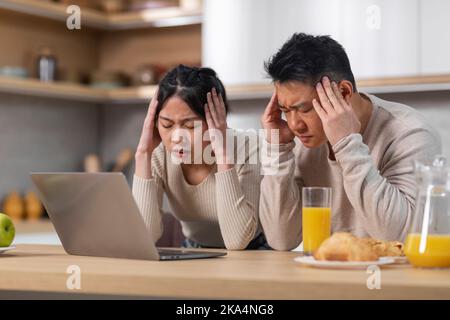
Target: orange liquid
[(316, 227), (436, 253)]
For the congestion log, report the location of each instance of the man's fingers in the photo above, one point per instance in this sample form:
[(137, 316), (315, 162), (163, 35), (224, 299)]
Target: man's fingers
[(339, 95), (324, 101), (335, 103), (272, 106), (320, 111)]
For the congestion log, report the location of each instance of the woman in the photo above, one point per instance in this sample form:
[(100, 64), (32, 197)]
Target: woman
[(215, 201)]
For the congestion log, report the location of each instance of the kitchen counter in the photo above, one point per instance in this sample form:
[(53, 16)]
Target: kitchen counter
[(37, 271)]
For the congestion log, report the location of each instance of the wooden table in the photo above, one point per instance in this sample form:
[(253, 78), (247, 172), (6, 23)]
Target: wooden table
[(37, 271)]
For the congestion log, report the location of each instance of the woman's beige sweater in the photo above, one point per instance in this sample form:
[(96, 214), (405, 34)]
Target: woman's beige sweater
[(221, 211)]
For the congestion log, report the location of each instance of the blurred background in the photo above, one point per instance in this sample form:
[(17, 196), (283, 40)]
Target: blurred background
[(76, 76)]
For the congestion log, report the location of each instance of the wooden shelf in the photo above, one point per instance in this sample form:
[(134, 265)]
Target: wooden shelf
[(164, 17), (77, 92), (33, 87)]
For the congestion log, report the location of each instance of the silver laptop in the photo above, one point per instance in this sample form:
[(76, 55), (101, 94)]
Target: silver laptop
[(95, 214)]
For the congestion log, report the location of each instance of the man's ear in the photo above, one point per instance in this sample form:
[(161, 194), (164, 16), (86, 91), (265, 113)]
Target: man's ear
[(346, 88)]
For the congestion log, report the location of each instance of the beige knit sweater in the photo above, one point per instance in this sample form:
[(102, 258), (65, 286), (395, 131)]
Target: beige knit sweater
[(222, 211), (372, 179)]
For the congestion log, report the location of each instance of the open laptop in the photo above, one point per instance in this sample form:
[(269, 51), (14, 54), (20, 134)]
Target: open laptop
[(94, 214)]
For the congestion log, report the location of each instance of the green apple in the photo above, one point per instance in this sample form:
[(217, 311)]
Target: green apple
[(7, 230)]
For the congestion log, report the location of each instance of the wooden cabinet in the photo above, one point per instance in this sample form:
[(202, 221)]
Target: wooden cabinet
[(122, 42), (390, 43)]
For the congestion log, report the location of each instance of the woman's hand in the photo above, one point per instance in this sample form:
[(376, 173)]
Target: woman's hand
[(216, 118), (148, 142)]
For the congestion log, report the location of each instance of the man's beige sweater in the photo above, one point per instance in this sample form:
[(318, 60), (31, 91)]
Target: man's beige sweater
[(221, 211), (372, 180)]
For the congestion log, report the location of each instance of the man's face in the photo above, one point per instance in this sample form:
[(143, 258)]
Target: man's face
[(295, 101)]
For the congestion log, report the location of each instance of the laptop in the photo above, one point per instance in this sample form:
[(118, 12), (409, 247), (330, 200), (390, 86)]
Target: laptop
[(94, 214)]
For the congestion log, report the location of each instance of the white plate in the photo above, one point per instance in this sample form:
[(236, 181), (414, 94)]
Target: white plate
[(399, 259), (311, 262), (4, 249)]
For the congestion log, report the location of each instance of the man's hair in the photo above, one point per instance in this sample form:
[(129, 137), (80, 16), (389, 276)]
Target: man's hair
[(307, 58)]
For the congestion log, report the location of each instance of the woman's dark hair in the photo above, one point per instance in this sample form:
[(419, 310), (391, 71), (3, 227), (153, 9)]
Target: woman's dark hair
[(191, 84), (307, 58)]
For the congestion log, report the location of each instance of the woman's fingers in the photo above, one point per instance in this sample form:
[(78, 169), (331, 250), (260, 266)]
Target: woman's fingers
[(154, 101), (151, 112), (209, 120), (218, 103), (149, 127), (212, 109)]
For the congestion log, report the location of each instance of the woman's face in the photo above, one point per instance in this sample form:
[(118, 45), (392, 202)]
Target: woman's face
[(176, 125)]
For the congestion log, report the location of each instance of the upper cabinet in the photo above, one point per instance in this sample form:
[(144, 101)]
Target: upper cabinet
[(239, 36), (236, 38), (383, 38), (435, 36)]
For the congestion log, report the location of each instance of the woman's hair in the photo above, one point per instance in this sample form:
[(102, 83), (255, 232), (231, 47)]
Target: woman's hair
[(191, 84)]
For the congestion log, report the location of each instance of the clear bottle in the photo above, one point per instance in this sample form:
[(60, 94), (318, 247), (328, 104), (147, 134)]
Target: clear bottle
[(46, 65), (428, 243)]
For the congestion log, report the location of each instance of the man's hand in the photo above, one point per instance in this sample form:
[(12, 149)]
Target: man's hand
[(271, 120), (338, 117)]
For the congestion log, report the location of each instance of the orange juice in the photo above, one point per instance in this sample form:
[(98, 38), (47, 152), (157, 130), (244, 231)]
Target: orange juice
[(436, 251), (316, 227)]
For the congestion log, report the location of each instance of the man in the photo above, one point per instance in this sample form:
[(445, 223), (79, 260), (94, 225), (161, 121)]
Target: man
[(361, 146)]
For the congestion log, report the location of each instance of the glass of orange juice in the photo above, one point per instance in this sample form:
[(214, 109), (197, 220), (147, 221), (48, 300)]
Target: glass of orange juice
[(316, 217)]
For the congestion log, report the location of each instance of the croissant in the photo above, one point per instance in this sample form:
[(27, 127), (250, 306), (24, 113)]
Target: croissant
[(343, 246)]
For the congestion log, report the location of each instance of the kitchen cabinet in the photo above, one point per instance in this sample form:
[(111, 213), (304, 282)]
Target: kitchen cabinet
[(434, 36), (239, 36), (380, 37)]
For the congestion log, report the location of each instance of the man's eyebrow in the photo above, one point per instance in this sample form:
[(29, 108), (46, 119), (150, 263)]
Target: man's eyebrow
[(296, 106)]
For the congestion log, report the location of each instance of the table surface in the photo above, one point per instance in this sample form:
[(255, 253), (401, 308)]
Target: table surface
[(40, 269)]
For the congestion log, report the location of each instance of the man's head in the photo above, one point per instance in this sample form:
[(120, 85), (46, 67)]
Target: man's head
[(295, 70)]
